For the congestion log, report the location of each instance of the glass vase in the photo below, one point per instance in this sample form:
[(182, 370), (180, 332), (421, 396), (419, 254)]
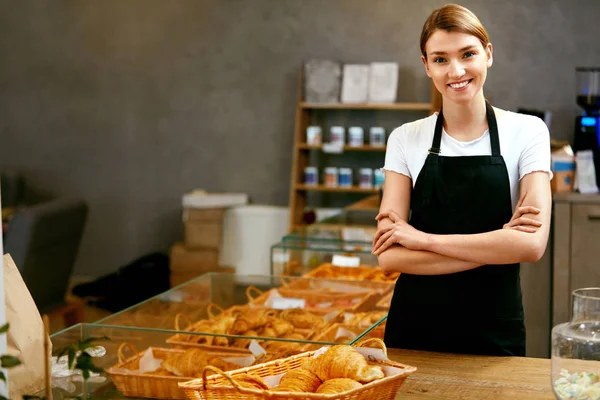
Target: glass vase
[(576, 349)]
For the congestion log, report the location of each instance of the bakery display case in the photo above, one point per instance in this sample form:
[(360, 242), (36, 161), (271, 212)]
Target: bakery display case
[(239, 307), (148, 363), (141, 363), (297, 257)]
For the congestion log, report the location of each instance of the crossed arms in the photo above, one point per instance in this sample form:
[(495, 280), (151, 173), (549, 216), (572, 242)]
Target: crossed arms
[(402, 248)]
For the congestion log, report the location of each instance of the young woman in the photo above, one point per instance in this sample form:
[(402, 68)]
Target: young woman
[(466, 199)]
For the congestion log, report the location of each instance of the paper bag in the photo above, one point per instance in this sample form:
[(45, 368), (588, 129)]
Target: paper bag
[(25, 338)]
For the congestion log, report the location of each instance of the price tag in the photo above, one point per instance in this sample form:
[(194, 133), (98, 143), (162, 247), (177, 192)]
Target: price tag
[(333, 148), (256, 349), (345, 261), (280, 258), (283, 303)]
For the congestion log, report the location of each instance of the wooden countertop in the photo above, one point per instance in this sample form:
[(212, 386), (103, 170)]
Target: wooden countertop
[(454, 376)]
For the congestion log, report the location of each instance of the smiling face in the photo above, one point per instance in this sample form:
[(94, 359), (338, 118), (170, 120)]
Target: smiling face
[(457, 63)]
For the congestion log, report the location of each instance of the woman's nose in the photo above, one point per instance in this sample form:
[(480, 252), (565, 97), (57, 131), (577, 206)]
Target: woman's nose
[(456, 70)]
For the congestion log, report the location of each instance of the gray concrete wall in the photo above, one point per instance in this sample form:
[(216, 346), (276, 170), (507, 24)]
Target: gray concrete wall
[(131, 103)]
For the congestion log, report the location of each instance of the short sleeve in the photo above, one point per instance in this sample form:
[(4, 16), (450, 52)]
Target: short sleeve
[(395, 155), (536, 153)]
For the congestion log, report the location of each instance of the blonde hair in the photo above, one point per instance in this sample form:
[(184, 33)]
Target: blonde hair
[(453, 18)]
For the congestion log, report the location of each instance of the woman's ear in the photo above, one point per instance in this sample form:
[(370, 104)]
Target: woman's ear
[(424, 61), (489, 51)]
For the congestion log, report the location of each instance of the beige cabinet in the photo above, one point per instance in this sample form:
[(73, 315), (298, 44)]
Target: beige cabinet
[(571, 261), (576, 249)]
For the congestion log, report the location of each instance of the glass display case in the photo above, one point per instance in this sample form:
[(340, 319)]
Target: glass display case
[(299, 257), (260, 306), (143, 363), (356, 226)]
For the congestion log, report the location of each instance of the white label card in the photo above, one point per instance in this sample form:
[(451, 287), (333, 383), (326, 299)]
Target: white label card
[(345, 261), (256, 349), (283, 303)]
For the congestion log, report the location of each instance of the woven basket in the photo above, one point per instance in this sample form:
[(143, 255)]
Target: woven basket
[(361, 273), (149, 385), (223, 385), (325, 302), (179, 341)]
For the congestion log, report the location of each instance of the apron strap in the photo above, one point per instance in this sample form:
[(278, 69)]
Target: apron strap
[(492, 124)]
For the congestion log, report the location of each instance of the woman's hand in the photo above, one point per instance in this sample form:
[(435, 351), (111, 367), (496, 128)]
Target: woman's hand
[(399, 231), (519, 222)]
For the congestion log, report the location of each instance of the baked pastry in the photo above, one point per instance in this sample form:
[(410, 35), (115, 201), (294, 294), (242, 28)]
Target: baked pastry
[(366, 318), (342, 361), (253, 318), (280, 327), (302, 319), (191, 363), (298, 380), (250, 381), (338, 385), (188, 363)]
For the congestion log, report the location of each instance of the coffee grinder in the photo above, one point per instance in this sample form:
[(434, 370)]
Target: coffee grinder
[(587, 126)]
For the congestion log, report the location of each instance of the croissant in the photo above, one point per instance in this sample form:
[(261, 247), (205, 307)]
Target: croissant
[(221, 364), (342, 361), (187, 364), (244, 342), (281, 327), (253, 318), (338, 385), (302, 319), (298, 380)]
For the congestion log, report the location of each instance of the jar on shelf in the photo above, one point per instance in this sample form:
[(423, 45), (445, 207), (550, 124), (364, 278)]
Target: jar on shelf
[(576, 349)]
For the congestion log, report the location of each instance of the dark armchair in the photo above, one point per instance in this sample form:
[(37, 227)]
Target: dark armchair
[(43, 240)]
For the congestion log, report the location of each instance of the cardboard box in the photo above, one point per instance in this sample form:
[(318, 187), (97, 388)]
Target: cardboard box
[(183, 259), (203, 235), (203, 227)]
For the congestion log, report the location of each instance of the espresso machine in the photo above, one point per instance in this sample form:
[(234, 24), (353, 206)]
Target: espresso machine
[(587, 125)]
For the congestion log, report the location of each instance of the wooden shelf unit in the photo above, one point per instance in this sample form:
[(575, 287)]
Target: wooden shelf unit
[(299, 191), (304, 146)]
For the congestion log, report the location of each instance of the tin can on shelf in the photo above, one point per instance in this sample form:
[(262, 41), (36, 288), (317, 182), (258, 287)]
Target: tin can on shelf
[(311, 176), (356, 136), (313, 135), (366, 178), (345, 177), (331, 177), (377, 136), (378, 177), (337, 135)]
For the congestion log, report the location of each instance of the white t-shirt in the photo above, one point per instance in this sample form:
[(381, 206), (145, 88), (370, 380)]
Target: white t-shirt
[(524, 145)]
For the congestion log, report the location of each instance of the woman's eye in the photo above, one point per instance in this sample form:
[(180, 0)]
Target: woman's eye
[(439, 60), (469, 54)]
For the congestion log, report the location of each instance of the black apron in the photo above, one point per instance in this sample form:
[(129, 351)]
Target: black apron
[(471, 312)]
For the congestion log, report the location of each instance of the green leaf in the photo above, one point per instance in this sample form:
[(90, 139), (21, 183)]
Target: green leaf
[(86, 374), (2, 376), (9, 361), (71, 360), (3, 398), (27, 397), (4, 328), (89, 342)]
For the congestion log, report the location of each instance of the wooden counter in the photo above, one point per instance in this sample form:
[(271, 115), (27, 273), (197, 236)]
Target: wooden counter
[(451, 376)]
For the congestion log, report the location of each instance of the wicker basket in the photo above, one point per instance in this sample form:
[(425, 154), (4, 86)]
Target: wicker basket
[(150, 385), (179, 341), (329, 335), (223, 385), (361, 273), (324, 302)]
